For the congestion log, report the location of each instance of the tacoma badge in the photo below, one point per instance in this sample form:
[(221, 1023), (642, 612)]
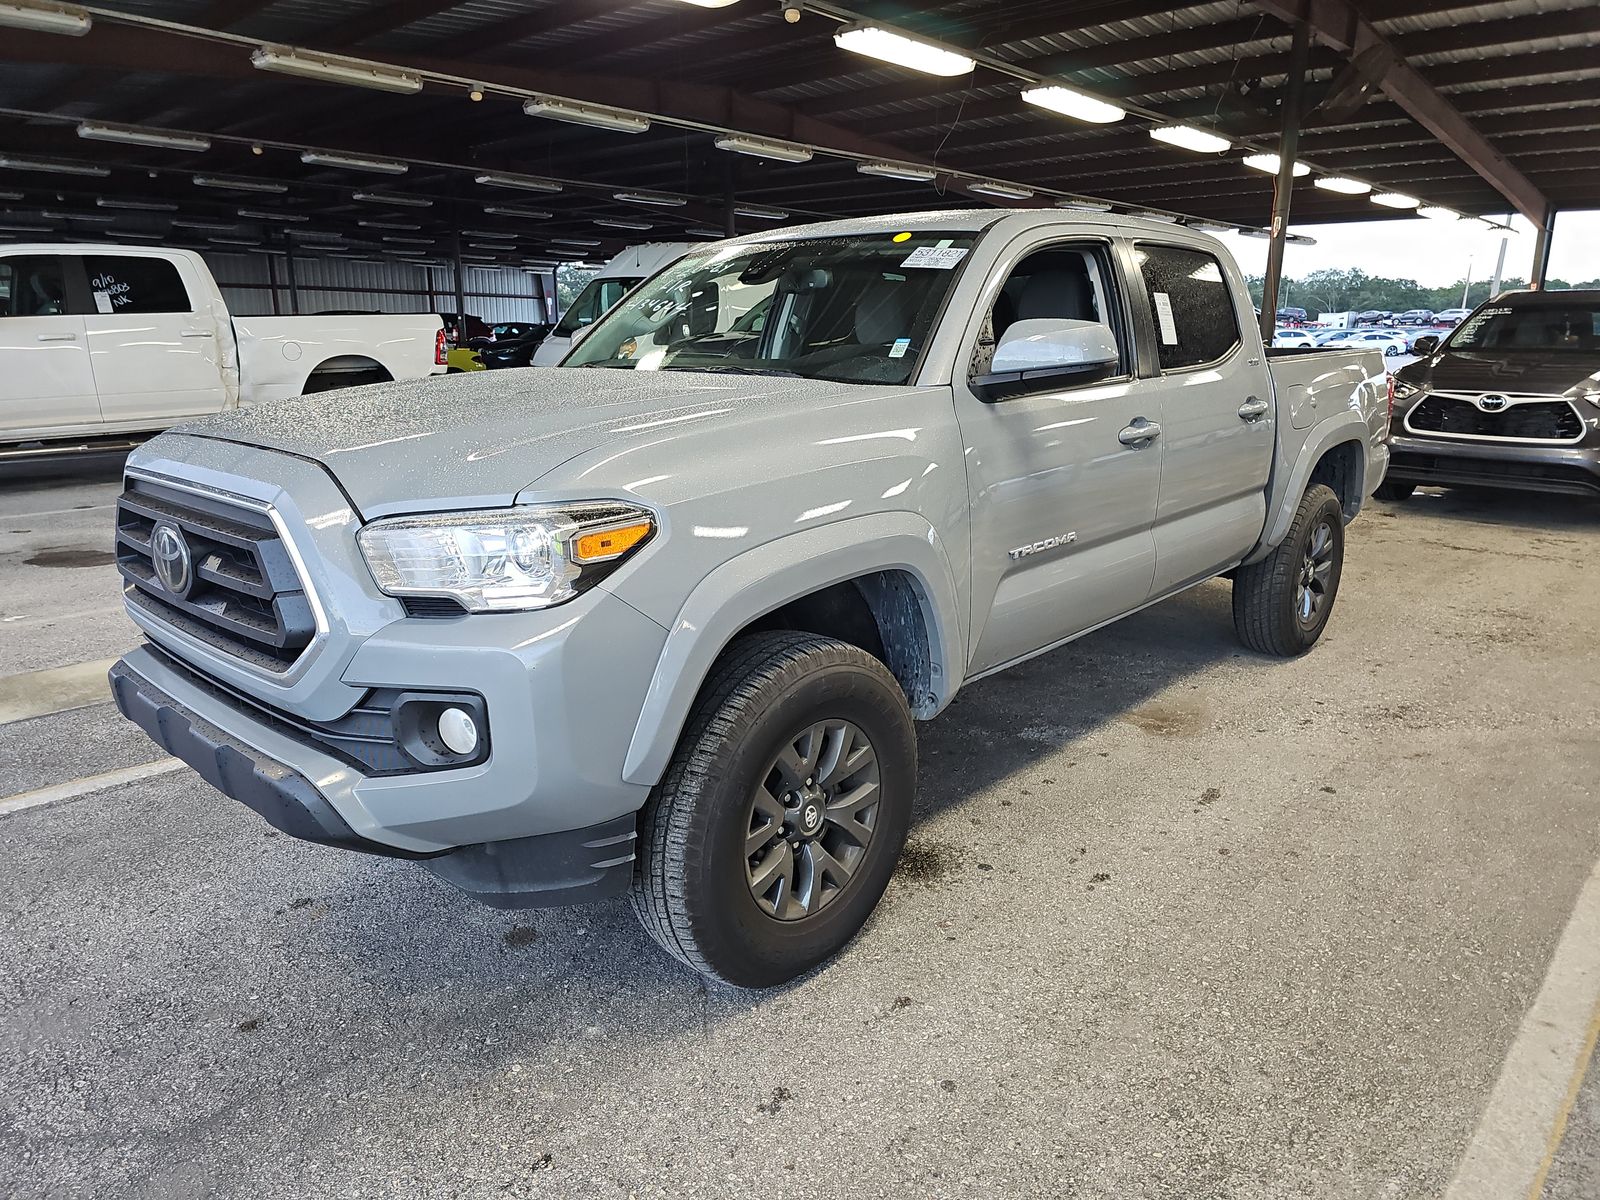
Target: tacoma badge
[(1049, 543)]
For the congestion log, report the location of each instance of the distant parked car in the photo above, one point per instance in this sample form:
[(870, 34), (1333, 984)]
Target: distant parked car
[(1291, 315), (1451, 316), (1293, 339), (1416, 316), (1392, 343), (459, 330), (513, 351)]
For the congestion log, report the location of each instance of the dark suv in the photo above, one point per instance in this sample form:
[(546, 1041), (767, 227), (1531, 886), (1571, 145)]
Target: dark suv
[(1511, 398)]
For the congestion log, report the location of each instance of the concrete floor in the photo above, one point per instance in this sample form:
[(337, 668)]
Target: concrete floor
[(1175, 921)]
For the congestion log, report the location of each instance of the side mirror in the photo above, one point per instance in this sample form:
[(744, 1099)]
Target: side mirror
[(1035, 355), (1425, 345)]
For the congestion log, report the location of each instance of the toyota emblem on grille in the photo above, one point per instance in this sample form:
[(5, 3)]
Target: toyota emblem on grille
[(170, 555), (1492, 402)]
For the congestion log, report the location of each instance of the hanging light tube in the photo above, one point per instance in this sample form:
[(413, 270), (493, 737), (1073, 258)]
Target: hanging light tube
[(994, 187), (1342, 184), (382, 198), (659, 199), (132, 135), (136, 205), (265, 186), (755, 147), (526, 183), (1187, 137), (335, 68), (526, 214), (1070, 102), (613, 223), (896, 170), (1394, 200), (20, 162), (353, 162), (902, 50), (66, 19), (1268, 163), (596, 116), (761, 212)]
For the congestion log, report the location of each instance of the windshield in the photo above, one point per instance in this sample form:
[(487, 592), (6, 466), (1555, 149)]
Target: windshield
[(1541, 328), (596, 299), (852, 309)]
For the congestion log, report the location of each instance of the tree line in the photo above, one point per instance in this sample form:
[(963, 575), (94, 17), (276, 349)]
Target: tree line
[(1356, 291)]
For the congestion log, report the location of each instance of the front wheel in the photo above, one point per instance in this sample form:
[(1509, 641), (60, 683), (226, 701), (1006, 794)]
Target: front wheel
[(774, 832), (1282, 603)]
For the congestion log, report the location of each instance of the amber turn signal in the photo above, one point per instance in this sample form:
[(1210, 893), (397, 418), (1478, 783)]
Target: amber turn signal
[(606, 544)]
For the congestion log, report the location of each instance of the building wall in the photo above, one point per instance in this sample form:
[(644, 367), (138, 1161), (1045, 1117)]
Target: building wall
[(330, 284)]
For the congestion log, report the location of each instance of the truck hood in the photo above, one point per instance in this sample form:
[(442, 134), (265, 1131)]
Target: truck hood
[(477, 440), (1468, 371)]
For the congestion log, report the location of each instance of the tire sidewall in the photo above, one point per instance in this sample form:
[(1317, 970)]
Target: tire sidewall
[(1327, 510), (751, 946)]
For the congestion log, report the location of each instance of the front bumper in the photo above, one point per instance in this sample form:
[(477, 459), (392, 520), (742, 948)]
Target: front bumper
[(1574, 470), (565, 867)]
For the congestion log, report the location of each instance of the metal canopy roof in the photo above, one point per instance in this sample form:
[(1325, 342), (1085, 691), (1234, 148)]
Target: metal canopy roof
[(1477, 107)]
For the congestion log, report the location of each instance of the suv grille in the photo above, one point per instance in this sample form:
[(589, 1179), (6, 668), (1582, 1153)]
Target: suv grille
[(1529, 421), (242, 594)]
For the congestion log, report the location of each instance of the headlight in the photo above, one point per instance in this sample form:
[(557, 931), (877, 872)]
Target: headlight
[(504, 559), (1404, 390)]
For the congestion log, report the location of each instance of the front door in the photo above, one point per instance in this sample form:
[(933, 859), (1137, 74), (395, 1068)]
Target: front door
[(1063, 501), (158, 354), (46, 384), (1218, 419)]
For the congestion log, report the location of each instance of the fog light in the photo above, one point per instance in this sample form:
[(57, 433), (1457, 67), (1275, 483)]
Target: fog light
[(458, 731)]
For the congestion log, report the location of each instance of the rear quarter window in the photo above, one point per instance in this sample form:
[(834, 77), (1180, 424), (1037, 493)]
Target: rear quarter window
[(1191, 305), (129, 284)]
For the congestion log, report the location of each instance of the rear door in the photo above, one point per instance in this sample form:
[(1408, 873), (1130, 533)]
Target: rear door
[(1218, 413), (46, 382), (156, 347), (1062, 506)]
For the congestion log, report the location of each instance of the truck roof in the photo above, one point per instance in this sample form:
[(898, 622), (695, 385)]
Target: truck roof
[(1556, 296), (975, 220), (90, 248)]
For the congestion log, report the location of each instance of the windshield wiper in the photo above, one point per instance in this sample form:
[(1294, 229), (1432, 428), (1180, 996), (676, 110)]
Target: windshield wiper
[(742, 371)]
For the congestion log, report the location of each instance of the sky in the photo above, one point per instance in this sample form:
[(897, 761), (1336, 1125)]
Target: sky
[(1430, 252)]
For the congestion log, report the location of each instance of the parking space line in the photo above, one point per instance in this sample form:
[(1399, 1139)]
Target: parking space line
[(55, 512), (1523, 1123), (41, 693), (58, 792), (48, 618)]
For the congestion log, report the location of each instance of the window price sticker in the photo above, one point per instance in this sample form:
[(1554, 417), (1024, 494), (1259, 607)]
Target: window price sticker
[(938, 258), (1169, 327)]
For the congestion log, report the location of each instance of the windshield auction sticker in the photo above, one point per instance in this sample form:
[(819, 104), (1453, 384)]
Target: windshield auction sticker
[(939, 258)]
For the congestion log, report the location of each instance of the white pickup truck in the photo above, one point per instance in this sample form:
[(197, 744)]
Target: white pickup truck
[(100, 341)]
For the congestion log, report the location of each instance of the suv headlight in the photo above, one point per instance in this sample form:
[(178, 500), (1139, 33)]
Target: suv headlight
[(1404, 390), (504, 559)]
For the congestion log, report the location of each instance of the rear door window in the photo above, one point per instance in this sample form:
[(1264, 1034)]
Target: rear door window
[(128, 284), (1191, 305), (33, 285)]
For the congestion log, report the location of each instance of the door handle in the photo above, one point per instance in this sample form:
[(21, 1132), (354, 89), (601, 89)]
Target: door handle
[(196, 333), (58, 337), (1253, 408), (1140, 433)]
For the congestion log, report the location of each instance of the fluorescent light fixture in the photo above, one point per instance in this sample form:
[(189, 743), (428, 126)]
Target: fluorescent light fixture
[(1084, 205), (10, 195), (1164, 218), (334, 68), (258, 214), (143, 235), (136, 205), (613, 223), (526, 214), (1263, 234), (353, 162), (993, 187), (1395, 200), (400, 225), (526, 183), (755, 147), (1208, 226), (711, 3), (197, 223), (705, 231), (1269, 164), (401, 201), (1342, 184), (1436, 212), (132, 135), (895, 170), (66, 19), (486, 233), (761, 212), (491, 245), (20, 162), (587, 243), (10, 228), (1300, 239), (97, 218), (229, 241), (1187, 137), (659, 199), (1070, 102), (597, 116), (409, 241), (265, 186), (889, 46)]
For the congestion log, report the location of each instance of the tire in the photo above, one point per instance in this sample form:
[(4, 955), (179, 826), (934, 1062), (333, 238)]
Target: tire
[(701, 860), (1269, 596), (1391, 352), (332, 381), (1394, 491)]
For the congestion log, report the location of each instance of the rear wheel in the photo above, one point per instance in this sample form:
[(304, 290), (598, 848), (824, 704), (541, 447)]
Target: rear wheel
[(1282, 603), (775, 830)]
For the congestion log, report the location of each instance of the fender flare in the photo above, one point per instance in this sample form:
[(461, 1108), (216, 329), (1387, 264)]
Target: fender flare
[(1284, 497), (768, 577)]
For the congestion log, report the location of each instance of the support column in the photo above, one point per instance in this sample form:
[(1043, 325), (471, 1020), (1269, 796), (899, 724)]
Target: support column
[(1283, 187), (730, 225), (1541, 250), (288, 264), (461, 290)]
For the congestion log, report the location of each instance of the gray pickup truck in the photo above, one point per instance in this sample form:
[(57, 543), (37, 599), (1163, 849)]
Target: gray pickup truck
[(659, 621)]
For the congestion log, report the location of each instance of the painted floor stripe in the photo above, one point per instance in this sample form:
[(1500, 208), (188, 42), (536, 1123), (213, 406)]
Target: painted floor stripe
[(83, 787), (55, 512), (40, 693), (1523, 1123)]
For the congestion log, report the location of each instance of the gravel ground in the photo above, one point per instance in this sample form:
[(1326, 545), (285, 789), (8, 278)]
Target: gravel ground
[(1175, 921)]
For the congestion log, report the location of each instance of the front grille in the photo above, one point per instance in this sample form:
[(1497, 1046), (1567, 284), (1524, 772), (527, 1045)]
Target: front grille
[(245, 597), (1528, 421)]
